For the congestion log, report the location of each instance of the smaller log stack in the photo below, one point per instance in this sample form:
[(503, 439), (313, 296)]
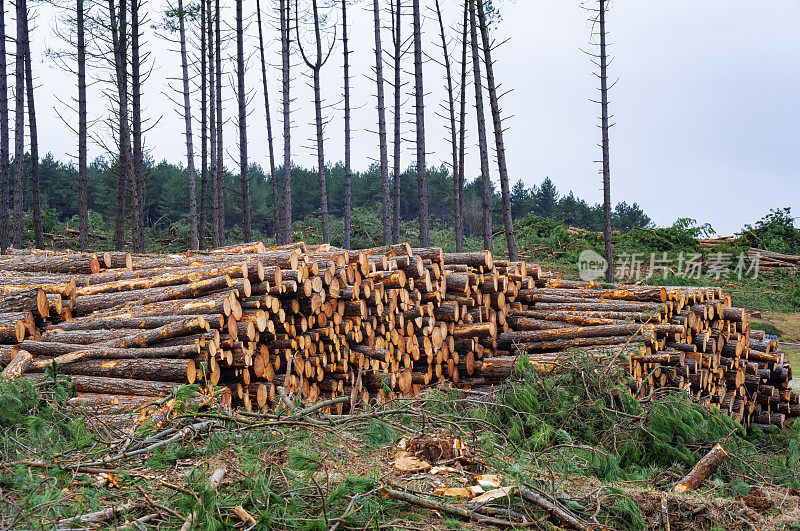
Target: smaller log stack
[(322, 322), (680, 337), (768, 261)]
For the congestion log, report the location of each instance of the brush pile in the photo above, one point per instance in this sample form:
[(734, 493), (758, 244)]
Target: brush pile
[(319, 322)]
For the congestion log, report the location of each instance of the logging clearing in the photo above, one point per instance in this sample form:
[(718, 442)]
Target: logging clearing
[(591, 379)]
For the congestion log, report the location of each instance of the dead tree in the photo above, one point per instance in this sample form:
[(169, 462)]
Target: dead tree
[(137, 181), (488, 195), (19, 122), (270, 144), (216, 240), (83, 133), (220, 149), (316, 66), (419, 94), (4, 137), (604, 126), (462, 125), (348, 175), (201, 233), (36, 206), (187, 118), (384, 155), (242, 101), (494, 103), (397, 67), (286, 199), (451, 107), (119, 37)]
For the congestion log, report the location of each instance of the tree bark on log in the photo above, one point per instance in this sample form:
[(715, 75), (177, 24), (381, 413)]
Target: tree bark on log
[(153, 369), (701, 470), (124, 386), (22, 361)]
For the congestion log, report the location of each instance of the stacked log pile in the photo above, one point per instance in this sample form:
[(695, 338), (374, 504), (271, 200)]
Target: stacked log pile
[(768, 261), (319, 322)]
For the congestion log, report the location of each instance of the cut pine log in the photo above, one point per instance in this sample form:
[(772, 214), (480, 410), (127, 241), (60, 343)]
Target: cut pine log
[(701, 470)]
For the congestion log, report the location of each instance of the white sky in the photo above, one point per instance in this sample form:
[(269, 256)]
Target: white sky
[(706, 107)]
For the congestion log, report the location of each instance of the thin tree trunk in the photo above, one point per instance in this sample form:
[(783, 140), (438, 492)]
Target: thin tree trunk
[(36, 207), (348, 175), (212, 107), (606, 163), (384, 155), (201, 231), (270, 144), (137, 203), (286, 221), (488, 196), (4, 137), (508, 222), (316, 67), (119, 34), (398, 44), (243, 173), (453, 134), (462, 117), (419, 93), (83, 181), (194, 242), (19, 123), (220, 149)]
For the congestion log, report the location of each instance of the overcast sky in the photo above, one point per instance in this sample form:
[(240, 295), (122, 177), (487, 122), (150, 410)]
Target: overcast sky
[(706, 105)]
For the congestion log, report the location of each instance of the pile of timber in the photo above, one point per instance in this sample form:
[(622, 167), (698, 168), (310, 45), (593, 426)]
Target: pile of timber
[(320, 322), (768, 261)]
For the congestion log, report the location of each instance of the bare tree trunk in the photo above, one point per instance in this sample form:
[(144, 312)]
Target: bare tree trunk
[(606, 163), (36, 207), (19, 123), (488, 196), (119, 33), (508, 222), (4, 140), (194, 242), (137, 181), (453, 134), (243, 173), (216, 241), (220, 148), (286, 33), (201, 232), (83, 134), (384, 155), (419, 93), (462, 123), (270, 145), (348, 175), (398, 51), (315, 67)]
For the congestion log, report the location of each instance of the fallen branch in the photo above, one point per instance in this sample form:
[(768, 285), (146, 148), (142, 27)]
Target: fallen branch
[(244, 516), (560, 513), (98, 516), (413, 499)]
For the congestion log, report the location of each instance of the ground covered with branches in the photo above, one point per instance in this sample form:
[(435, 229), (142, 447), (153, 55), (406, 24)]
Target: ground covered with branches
[(556, 435)]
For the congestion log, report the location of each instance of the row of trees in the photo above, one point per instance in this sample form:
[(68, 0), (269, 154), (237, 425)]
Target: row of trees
[(109, 40), (166, 188)]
